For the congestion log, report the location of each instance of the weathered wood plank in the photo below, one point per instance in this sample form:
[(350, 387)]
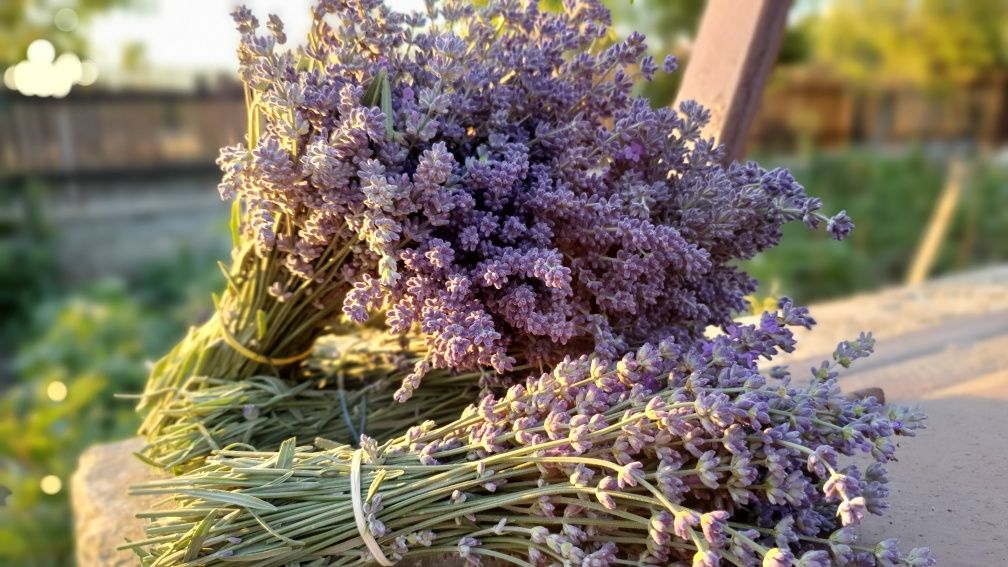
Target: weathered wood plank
[(731, 58)]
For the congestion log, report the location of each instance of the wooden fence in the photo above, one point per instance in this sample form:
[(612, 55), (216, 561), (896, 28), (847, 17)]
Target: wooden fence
[(100, 133), (803, 106), (129, 176), (95, 134)]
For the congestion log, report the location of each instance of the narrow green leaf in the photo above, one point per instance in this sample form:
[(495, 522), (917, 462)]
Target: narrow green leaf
[(254, 555), (211, 442), (386, 105), (235, 223), (232, 498), (373, 92), (227, 275), (188, 363), (199, 535), (278, 480), (378, 478), (285, 454), (274, 533), (146, 460), (326, 444)]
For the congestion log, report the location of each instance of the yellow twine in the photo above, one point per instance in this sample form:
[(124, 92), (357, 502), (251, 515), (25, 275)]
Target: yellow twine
[(256, 357)]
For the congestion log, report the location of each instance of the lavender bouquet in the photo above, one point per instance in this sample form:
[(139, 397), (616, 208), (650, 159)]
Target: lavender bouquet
[(481, 176), (672, 455), (482, 182)]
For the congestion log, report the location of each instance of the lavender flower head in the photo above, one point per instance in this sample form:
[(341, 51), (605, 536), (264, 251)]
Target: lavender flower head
[(515, 204)]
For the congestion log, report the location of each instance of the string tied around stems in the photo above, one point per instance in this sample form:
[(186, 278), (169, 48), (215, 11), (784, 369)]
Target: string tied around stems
[(355, 434), (259, 358), (358, 509)]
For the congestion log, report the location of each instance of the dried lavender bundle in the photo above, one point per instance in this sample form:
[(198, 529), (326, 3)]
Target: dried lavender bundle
[(262, 411), (483, 174), (675, 454), (347, 390)]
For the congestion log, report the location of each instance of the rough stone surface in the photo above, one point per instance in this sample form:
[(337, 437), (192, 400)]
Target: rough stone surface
[(941, 345), (103, 514)]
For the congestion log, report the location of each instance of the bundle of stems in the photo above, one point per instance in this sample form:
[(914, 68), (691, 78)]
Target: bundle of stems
[(250, 333), (262, 411), (344, 390), (668, 455)]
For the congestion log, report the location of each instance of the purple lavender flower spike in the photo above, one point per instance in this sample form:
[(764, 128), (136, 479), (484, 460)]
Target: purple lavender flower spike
[(706, 558), (777, 557), (839, 225), (670, 64), (920, 557), (815, 558)]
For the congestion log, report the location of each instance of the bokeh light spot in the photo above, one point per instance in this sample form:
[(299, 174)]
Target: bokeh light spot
[(30, 77), (57, 391), (41, 51), (51, 484), (69, 67), (89, 73), (66, 19)]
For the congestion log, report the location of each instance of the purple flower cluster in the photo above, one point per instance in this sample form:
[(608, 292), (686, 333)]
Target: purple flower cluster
[(485, 174), (675, 453), (743, 467)]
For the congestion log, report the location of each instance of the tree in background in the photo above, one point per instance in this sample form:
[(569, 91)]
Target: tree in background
[(935, 44)]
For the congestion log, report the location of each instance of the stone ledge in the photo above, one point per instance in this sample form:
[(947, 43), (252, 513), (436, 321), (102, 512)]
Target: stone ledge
[(103, 514)]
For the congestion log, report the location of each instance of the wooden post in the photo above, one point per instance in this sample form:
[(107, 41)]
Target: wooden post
[(938, 226), (731, 58)]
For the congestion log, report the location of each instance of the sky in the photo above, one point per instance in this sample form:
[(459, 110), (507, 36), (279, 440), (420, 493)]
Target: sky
[(193, 34)]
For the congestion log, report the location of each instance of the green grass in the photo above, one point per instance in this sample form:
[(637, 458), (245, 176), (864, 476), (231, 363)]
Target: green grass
[(891, 198), (94, 342)]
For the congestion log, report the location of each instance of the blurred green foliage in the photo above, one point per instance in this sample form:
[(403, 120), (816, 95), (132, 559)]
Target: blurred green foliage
[(929, 43), (27, 258), (669, 27), (891, 197), (95, 343)]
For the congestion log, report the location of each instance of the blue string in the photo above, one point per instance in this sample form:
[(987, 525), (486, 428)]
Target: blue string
[(354, 436), (363, 413)]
